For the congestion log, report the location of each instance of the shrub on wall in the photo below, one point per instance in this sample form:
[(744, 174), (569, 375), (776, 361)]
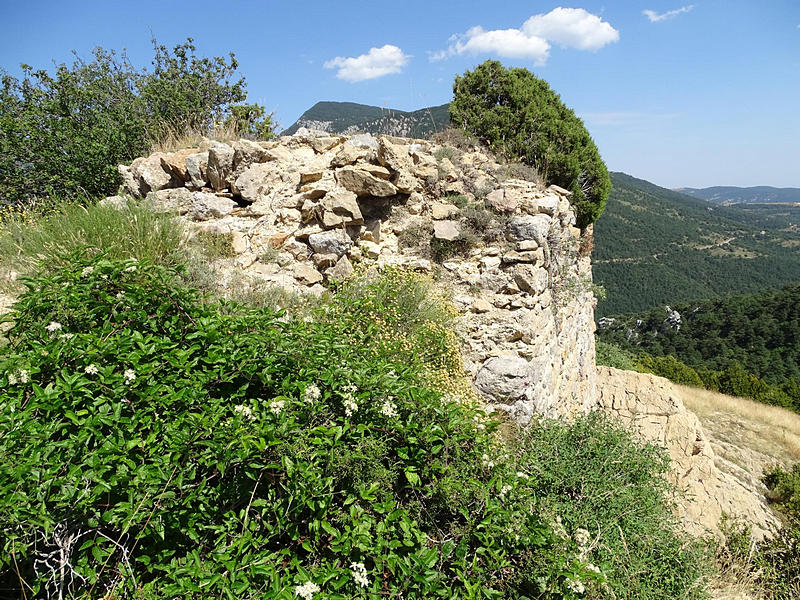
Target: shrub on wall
[(64, 133), (518, 115)]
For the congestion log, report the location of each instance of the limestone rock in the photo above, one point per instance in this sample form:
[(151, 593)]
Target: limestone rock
[(502, 202), (341, 208), (196, 169), (335, 242), (503, 379), (151, 174), (323, 261), (116, 202), (208, 206), (446, 230), (653, 407), (220, 165), (530, 227), (174, 163), (130, 182), (363, 183), (247, 152), (443, 210), (306, 274), (548, 205), (348, 154), (341, 271), (176, 200), (480, 306)]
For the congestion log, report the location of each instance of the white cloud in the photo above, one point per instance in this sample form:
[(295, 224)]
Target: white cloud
[(572, 28), (656, 17), (375, 63), (567, 27)]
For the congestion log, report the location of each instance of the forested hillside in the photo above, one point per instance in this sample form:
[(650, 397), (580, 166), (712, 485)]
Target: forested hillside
[(760, 331), (654, 246)]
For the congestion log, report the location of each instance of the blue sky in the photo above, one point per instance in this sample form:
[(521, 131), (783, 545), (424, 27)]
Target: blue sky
[(680, 94)]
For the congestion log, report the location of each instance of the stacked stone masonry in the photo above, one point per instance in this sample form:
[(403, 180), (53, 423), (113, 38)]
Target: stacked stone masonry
[(303, 210)]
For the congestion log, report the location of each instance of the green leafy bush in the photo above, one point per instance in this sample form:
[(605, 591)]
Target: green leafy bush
[(157, 447), (160, 446), (518, 115), (609, 494), (63, 134)]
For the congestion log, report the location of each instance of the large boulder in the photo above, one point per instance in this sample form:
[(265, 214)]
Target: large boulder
[(340, 207), (530, 227)]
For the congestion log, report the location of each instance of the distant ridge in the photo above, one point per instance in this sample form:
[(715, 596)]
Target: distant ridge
[(726, 194), (349, 118)]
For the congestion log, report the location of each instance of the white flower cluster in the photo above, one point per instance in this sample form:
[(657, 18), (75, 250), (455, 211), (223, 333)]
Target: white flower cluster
[(307, 590), (582, 537), (311, 394), (276, 406), (389, 409), (53, 326), (359, 574), (67, 336), (487, 462), (480, 426), (21, 376), (522, 475), (130, 269), (575, 586), (87, 271), (130, 376), (558, 528), (91, 369), (593, 568), (350, 405), (504, 490), (244, 411)]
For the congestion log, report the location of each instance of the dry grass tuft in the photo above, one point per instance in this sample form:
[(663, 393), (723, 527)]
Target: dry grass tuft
[(769, 430)]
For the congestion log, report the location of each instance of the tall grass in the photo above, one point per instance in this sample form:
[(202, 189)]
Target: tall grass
[(30, 241)]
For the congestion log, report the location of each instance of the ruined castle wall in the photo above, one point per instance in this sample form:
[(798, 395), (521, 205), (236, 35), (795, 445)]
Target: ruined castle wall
[(306, 209)]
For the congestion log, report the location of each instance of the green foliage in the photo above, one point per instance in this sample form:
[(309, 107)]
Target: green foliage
[(740, 345), (611, 355), (670, 367), (251, 120), (594, 477), (158, 446), (64, 133), (655, 246), (518, 115), (773, 563)]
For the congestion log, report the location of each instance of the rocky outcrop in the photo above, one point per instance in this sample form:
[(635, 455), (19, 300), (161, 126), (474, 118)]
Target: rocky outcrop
[(305, 210), (652, 407)]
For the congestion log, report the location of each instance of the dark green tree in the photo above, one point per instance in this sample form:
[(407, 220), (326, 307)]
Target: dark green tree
[(519, 116)]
